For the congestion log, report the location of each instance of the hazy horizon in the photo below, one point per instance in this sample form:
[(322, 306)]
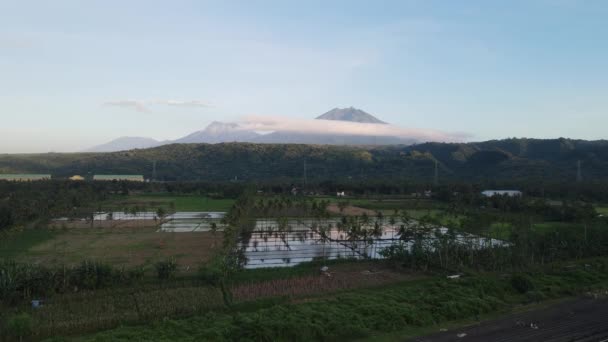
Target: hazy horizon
[(75, 75)]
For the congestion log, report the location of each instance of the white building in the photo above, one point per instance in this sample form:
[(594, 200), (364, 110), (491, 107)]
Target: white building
[(509, 193)]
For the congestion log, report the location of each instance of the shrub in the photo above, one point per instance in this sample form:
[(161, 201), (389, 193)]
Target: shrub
[(210, 275), (92, 275), (165, 269), (535, 296), (20, 326), (521, 283)]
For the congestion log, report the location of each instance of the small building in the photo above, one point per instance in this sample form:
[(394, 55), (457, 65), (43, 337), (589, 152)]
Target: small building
[(77, 178), (25, 177), (110, 178), (340, 194), (508, 193)]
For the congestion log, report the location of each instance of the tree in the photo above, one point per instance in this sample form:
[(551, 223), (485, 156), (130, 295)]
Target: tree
[(6, 217), (161, 213)]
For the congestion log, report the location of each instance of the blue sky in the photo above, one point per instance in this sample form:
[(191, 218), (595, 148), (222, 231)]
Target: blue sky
[(73, 74)]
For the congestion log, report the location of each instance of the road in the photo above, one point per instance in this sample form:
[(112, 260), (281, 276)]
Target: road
[(580, 320)]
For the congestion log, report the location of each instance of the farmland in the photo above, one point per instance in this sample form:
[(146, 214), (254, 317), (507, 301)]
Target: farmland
[(168, 202), (158, 271), (403, 307), (119, 247)]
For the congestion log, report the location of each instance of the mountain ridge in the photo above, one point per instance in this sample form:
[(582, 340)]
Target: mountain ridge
[(219, 132), (509, 160)]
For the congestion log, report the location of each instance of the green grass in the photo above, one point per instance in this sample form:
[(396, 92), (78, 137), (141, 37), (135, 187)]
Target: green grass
[(16, 243), (548, 227), (602, 210), (180, 202), (500, 230)]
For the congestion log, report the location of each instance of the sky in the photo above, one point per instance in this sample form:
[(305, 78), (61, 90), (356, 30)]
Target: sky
[(74, 74)]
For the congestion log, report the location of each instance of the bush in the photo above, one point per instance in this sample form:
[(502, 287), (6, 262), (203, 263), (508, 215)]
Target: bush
[(92, 275), (535, 296), (166, 269), (20, 326), (210, 275), (521, 283)]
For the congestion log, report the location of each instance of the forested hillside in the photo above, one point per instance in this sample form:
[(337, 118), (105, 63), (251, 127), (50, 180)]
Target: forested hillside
[(512, 159)]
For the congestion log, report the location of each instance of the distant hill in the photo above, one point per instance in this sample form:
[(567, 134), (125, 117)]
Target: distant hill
[(350, 114), (218, 132), (530, 160), (125, 143)]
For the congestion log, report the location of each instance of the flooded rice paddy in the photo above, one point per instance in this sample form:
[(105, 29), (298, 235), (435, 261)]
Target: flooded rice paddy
[(294, 241)]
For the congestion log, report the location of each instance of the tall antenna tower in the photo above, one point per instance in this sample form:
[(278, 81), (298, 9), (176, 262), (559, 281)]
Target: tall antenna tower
[(579, 172)]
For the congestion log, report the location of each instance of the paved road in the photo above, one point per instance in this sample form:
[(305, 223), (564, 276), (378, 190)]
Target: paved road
[(580, 320)]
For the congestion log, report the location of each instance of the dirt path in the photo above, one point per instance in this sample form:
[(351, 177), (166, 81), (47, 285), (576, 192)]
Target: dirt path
[(583, 319)]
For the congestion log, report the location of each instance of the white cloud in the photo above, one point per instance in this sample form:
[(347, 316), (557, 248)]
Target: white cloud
[(181, 103), (271, 123), (139, 106), (145, 105)]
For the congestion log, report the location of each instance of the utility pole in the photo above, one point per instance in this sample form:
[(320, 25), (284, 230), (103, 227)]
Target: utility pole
[(579, 173)]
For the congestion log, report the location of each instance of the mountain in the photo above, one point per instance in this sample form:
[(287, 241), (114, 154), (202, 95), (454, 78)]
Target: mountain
[(534, 161), (218, 132), (350, 114), (125, 143)]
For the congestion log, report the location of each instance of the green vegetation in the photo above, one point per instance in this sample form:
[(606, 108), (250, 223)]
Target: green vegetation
[(404, 307), (169, 202), (602, 210), (16, 243), (193, 285), (526, 160)]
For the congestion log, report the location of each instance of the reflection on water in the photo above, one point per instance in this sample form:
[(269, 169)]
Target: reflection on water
[(294, 241), (301, 241), (181, 221), (190, 221)]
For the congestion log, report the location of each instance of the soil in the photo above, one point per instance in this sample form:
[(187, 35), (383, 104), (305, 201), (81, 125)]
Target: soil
[(337, 278), (583, 319), (350, 210)]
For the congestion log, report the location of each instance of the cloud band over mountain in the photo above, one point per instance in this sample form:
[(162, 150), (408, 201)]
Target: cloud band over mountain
[(273, 124)]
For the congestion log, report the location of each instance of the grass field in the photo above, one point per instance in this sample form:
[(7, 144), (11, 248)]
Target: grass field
[(168, 201), (118, 247), (15, 243), (602, 210), (502, 230)]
